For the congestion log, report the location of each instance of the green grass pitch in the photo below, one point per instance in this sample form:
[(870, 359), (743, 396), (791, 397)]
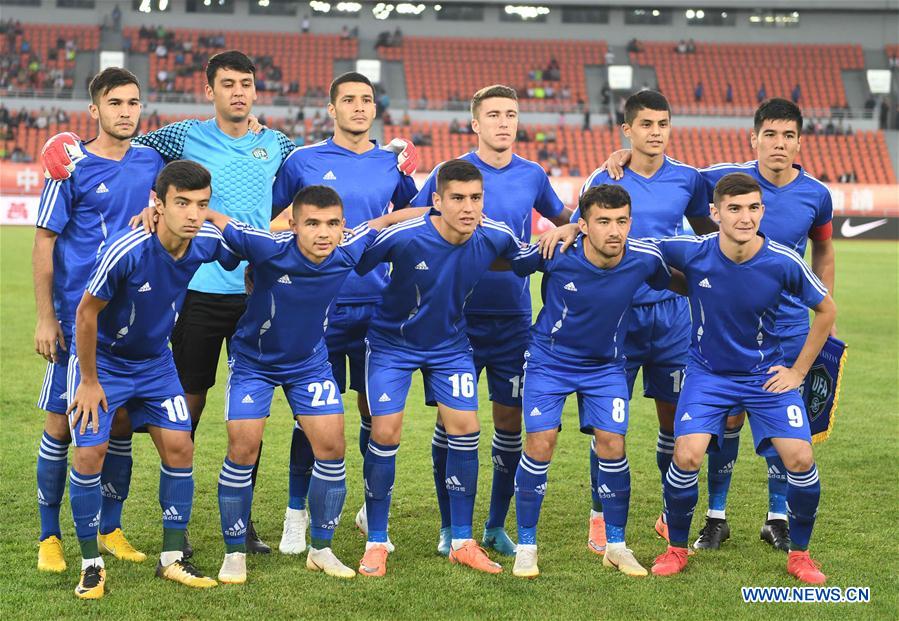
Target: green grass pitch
[(856, 537)]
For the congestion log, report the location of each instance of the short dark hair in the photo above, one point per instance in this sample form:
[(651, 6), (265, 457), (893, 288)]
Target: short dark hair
[(605, 196), (457, 170), (735, 184), (181, 175), (232, 59), (494, 90), (777, 109), (319, 196), (348, 77), (108, 79), (645, 100)]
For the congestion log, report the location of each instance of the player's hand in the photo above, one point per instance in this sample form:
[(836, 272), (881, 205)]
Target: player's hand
[(406, 155), (248, 279), (566, 234), (616, 163), (147, 218), (86, 404), (46, 335), (60, 154), (255, 126), (784, 379)]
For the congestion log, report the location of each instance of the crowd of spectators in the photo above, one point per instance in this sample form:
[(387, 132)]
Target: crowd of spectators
[(23, 70)]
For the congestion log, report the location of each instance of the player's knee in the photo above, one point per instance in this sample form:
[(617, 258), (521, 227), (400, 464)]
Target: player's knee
[(609, 445), (330, 448), (540, 446), (179, 453), (383, 432), (243, 451), (800, 459), (88, 459), (57, 427), (735, 421), (686, 458)]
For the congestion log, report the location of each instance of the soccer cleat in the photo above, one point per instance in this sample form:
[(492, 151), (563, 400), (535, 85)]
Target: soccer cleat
[(324, 560), (673, 561), (526, 562), (713, 534), (624, 561), (374, 561), (596, 540), (187, 549), (92, 584), (184, 572), (293, 538), (50, 556), (234, 568), (662, 528), (777, 534), (474, 556), (497, 539), (804, 568), (362, 525), (255, 545), (445, 542), (117, 544)]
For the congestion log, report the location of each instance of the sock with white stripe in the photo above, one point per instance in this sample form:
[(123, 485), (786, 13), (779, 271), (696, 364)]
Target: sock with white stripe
[(505, 453), (594, 480), (777, 488), (364, 433), (235, 490), (439, 449), (327, 493), (614, 483), (462, 481), (300, 471), (664, 453), (379, 473), (84, 496), (803, 495), (721, 470), (530, 488), (52, 456), (681, 494), (115, 481), (176, 496)]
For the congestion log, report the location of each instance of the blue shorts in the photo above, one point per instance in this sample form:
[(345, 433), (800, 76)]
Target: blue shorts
[(601, 390), (707, 398), (309, 387), (54, 391), (658, 339), (151, 392), (345, 338), (449, 376)]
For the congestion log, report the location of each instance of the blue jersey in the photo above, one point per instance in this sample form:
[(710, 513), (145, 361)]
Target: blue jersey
[(510, 195), (242, 173), (586, 308), (144, 287), (432, 279), (734, 306), (96, 202), (287, 313), (791, 212), (658, 205), (367, 183)]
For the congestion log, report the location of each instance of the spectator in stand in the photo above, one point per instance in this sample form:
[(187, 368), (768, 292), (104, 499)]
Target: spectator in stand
[(729, 93), (796, 94), (305, 24), (691, 47), (633, 46), (698, 92), (681, 47), (762, 94), (161, 50), (585, 126), (454, 127), (397, 39), (344, 32), (823, 178), (406, 120)]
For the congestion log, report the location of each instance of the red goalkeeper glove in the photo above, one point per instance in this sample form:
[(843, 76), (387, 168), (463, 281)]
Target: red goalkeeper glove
[(60, 154), (406, 155)]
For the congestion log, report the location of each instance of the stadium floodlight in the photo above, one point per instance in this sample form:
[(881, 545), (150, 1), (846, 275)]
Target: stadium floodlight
[(163, 5), (700, 14), (690, 13), (526, 12), (207, 2), (263, 3), (144, 6), (382, 11), (438, 7), (407, 8), (320, 7), (348, 7)]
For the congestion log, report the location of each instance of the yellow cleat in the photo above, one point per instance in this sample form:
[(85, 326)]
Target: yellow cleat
[(526, 562), (184, 572), (116, 544), (92, 584), (325, 560), (50, 556), (624, 561)]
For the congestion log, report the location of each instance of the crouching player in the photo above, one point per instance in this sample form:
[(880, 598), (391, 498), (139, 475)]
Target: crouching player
[(577, 347), (735, 280), (122, 358), (274, 345)]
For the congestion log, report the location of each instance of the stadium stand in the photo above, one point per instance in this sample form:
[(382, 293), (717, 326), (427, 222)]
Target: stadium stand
[(41, 57)]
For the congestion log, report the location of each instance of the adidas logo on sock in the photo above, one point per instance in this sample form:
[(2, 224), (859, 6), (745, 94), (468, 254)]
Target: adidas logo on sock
[(171, 514), (384, 398), (330, 176), (498, 461), (332, 524), (454, 484), (109, 491), (570, 287), (536, 412), (686, 417), (247, 399), (705, 283), (40, 498), (96, 521), (145, 287), (422, 266), (238, 529), (729, 467), (541, 489), (102, 189), (604, 491), (285, 280)]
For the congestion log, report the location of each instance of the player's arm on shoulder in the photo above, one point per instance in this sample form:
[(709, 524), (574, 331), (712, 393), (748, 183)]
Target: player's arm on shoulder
[(785, 379), (527, 261), (89, 396), (550, 241), (396, 216), (47, 333), (380, 250), (168, 140), (424, 197)]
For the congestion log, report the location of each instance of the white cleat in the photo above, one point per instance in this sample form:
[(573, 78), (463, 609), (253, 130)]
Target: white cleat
[(362, 525), (324, 560), (526, 562), (623, 560), (234, 568), (293, 538)]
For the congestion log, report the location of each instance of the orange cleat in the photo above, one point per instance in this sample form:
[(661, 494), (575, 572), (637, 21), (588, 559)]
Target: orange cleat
[(374, 561), (474, 556), (804, 568), (596, 540), (662, 528), (673, 561)]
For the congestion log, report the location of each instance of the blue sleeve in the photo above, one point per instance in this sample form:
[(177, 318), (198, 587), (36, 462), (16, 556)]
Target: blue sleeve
[(698, 206), (824, 212), (168, 140), (255, 245), (675, 250), (529, 260), (288, 182), (548, 203), (379, 250), (404, 193), (55, 208), (285, 145), (423, 198), (661, 275), (710, 177), (801, 282), (114, 263), (575, 215), (216, 249), (354, 246)]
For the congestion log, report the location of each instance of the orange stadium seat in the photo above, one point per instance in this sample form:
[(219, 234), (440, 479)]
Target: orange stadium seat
[(43, 41)]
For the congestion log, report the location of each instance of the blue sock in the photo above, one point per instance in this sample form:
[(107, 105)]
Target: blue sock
[(439, 448), (115, 481), (777, 488), (85, 498), (364, 434), (301, 459), (681, 494), (721, 470), (505, 453), (235, 491), (664, 453), (176, 495), (594, 477), (803, 494), (378, 473), (530, 488), (615, 490), (52, 456), (327, 493), (462, 481)]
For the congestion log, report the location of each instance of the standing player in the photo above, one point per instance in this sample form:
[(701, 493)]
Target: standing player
[(735, 281), (368, 180), (122, 328), (113, 183), (498, 314), (437, 261)]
